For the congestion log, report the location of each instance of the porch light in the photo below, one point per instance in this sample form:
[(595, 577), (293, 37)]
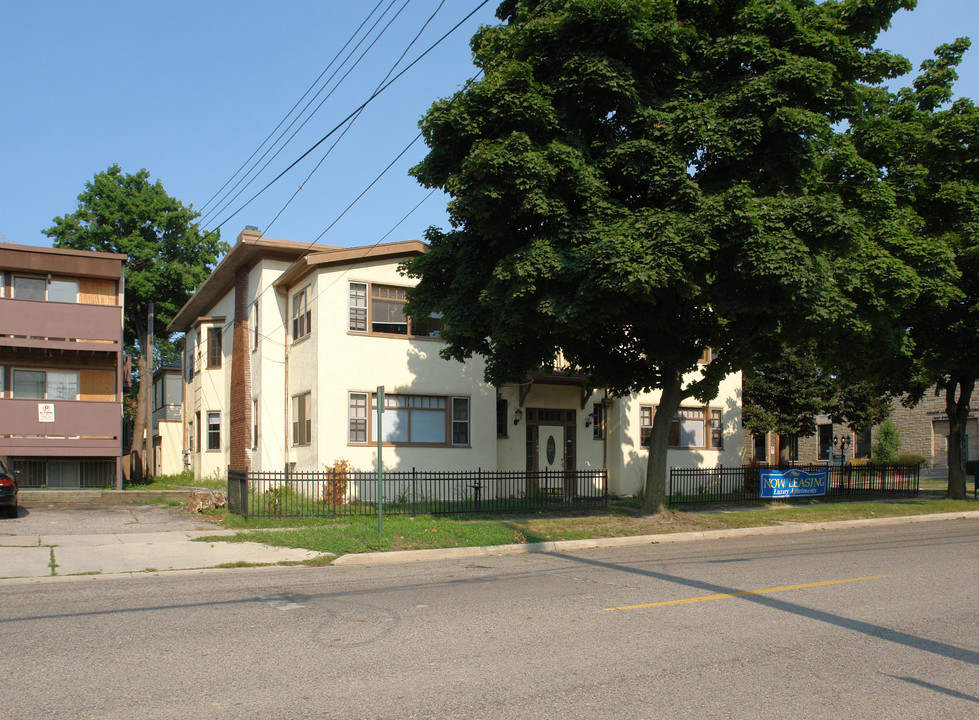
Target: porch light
[(517, 414), (588, 421)]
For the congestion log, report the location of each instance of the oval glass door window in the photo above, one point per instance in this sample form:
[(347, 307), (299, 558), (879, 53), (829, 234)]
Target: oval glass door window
[(551, 450)]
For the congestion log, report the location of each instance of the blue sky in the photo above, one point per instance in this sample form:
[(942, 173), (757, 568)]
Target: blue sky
[(189, 90)]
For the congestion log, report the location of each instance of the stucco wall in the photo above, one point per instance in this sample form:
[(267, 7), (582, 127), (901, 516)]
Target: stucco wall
[(353, 362), (628, 459)]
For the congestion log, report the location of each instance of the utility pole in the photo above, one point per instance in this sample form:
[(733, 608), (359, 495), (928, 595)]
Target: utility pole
[(146, 390)]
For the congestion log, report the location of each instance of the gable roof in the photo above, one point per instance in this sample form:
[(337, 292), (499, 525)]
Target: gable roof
[(304, 257)]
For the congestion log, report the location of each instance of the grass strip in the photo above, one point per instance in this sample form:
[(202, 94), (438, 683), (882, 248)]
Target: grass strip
[(340, 536)]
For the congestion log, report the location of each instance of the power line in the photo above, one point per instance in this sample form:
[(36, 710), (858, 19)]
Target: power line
[(292, 109), (353, 113), (316, 109)]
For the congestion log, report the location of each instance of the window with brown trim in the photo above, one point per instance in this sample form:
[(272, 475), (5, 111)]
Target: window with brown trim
[(693, 428), (302, 316), (302, 420), (376, 309), (214, 431), (424, 420), (213, 348)]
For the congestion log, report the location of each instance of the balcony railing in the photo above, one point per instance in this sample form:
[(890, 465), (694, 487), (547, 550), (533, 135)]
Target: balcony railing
[(60, 428), (64, 326)]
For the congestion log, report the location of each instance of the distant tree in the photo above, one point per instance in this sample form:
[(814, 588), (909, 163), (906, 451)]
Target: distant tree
[(634, 181), (169, 256), (786, 393), (888, 443), (925, 145)]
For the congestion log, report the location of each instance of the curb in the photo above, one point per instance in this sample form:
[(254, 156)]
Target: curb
[(404, 556)]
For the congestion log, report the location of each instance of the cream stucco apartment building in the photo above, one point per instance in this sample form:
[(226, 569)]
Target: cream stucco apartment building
[(286, 345)]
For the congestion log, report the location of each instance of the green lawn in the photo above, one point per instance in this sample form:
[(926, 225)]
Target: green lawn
[(354, 535)]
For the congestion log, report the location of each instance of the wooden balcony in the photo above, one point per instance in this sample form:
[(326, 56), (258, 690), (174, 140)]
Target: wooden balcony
[(79, 428), (35, 324)]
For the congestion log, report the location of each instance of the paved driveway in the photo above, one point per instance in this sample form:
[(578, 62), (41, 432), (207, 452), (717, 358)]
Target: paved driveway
[(81, 519)]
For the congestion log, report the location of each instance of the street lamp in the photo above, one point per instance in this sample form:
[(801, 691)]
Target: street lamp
[(843, 442)]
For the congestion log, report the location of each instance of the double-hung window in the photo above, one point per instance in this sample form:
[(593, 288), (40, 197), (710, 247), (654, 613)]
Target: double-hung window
[(425, 420), (213, 347), (302, 317), (695, 428), (214, 431), (377, 309), (302, 420)]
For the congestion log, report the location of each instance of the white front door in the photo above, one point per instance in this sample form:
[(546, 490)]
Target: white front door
[(550, 447)]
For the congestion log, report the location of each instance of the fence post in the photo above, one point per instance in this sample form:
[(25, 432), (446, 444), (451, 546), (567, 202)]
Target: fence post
[(414, 493)]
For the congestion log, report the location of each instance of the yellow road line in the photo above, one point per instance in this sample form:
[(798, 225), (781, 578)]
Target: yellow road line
[(746, 592)]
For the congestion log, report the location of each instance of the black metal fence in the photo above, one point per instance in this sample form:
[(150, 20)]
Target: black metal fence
[(742, 484), (411, 492)]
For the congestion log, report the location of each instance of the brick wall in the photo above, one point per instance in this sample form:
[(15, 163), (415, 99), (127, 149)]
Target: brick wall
[(923, 429), (240, 402)]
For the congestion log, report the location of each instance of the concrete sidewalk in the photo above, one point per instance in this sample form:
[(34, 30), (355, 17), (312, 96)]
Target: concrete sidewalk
[(62, 542), (76, 540)]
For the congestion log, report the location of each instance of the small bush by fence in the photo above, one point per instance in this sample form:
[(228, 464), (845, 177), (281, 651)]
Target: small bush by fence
[(742, 484), (411, 492)]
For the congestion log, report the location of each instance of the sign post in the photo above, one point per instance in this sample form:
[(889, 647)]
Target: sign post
[(380, 464)]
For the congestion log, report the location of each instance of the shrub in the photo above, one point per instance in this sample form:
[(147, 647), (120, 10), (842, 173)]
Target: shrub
[(910, 459), (335, 489), (888, 443)]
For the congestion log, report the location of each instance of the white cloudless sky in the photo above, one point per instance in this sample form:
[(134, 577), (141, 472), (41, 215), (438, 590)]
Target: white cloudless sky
[(189, 90)]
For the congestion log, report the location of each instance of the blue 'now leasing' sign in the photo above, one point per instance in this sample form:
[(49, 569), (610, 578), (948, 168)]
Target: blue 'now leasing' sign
[(793, 483)]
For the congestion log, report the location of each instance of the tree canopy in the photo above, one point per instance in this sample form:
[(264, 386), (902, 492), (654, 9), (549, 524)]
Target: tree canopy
[(168, 254), (924, 143), (635, 181)]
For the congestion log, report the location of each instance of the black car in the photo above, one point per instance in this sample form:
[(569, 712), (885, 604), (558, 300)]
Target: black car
[(8, 491)]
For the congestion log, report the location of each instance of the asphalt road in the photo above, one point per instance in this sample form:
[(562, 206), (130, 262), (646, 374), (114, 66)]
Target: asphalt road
[(869, 623)]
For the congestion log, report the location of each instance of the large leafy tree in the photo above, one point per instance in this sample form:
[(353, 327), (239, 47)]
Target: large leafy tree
[(169, 256), (925, 145), (633, 181)]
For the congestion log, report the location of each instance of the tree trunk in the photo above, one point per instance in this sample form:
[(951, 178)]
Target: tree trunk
[(137, 457), (782, 448), (957, 411), (657, 462)]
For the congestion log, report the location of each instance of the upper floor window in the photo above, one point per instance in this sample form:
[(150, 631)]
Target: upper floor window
[(45, 384), (410, 420), (30, 288), (26, 287), (254, 319), (191, 352), (384, 313), (213, 347), (697, 428), (302, 317)]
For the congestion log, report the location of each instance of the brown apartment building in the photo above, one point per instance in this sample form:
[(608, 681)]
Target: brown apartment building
[(61, 366)]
